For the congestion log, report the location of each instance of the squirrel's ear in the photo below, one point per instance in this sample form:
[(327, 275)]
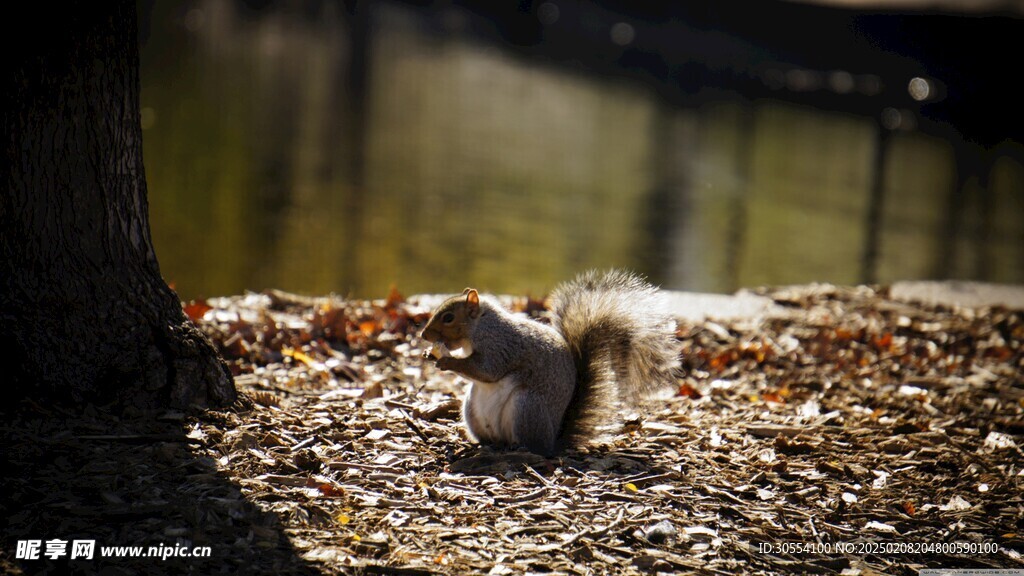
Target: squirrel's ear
[(472, 301), (467, 291)]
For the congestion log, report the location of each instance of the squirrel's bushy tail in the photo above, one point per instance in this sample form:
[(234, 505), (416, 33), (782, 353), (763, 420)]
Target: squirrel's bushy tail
[(622, 339)]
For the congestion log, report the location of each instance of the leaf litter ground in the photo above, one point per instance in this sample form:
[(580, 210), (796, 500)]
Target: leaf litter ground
[(840, 431)]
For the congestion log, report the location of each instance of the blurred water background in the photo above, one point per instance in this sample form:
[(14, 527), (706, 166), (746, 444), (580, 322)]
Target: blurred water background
[(320, 146)]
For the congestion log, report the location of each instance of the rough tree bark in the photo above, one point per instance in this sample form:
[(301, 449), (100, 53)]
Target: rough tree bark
[(85, 312)]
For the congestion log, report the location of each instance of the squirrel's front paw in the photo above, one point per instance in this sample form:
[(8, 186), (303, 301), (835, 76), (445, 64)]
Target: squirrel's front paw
[(445, 362)]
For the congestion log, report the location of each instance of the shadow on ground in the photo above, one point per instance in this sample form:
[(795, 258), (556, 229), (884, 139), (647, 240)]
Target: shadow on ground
[(127, 481)]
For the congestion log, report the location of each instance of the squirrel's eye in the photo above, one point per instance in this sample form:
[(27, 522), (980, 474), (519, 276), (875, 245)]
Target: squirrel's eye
[(448, 317)]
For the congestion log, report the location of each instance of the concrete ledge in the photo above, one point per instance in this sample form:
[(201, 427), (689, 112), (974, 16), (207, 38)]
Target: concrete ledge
[(698, 307), (959, 293)]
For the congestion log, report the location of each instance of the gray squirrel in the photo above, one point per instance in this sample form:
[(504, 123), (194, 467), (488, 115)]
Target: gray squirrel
[(545, 387)]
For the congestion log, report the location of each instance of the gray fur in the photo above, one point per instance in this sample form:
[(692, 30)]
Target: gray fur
[(622, 339), (547, 387)]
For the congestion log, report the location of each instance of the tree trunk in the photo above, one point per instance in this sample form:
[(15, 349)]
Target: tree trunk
[(85, 312)]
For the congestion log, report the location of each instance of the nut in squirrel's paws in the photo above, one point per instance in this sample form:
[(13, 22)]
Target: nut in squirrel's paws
[(437, 351)]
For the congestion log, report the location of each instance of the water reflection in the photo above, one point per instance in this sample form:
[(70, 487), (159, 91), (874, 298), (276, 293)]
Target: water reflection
[(281, 151)]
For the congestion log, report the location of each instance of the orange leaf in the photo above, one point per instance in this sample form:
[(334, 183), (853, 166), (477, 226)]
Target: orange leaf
[(909, 508), (331, 490), (883, 342), (326, 488), (196, 310), (394, 298), (368, 327), (685, 389), (723, 359)]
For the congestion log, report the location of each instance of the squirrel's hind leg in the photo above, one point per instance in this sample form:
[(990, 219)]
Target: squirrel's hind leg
[(534, 427)]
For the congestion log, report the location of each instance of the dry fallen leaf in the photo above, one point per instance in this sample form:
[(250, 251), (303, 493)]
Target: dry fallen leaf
[(195, 310)]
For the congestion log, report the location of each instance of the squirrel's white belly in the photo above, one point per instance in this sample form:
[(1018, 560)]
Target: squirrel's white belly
[(490, 410)]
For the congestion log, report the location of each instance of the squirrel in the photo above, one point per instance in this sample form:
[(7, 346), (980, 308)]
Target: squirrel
[(547, 387)]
